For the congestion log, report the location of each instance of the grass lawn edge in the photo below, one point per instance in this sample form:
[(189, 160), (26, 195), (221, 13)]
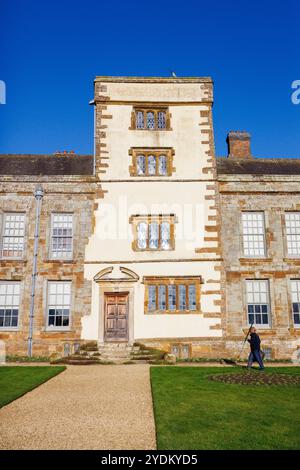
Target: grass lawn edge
[(58, 369)]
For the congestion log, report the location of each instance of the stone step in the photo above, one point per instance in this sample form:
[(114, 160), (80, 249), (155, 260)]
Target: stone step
[(115, 354), (143, 357), (115, 345)]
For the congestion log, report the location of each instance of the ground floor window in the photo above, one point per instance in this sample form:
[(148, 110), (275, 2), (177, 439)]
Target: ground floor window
[(181, 351), (258, 301), (59, 301), (9, 304), (295, 290), (172, 295)]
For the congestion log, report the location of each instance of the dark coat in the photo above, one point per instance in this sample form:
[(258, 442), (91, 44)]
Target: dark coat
[(254, 342)]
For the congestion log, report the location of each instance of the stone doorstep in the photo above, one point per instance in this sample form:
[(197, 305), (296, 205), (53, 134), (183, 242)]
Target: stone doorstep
[(115, 355), (118, 346)]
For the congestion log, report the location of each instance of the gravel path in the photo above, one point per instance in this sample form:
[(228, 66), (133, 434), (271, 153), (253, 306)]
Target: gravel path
[(85, 407)]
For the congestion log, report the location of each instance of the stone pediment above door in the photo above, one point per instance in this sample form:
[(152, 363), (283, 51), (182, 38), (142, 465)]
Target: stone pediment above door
[(116, 274)]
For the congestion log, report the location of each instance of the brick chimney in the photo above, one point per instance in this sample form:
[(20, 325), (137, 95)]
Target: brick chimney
[(239, 144)]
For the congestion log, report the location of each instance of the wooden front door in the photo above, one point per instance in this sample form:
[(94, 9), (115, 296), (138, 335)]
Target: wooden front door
[(116, 316)]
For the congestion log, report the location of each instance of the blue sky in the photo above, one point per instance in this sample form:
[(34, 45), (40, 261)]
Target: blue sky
[(51, 51)]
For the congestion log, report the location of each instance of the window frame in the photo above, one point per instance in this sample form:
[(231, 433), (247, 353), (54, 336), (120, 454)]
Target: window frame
[(158, 281), (3, 218), (135, 220), (167, 152), (51, 257), (54, 328), (254, 256), (17, 327), (289, 255), (269, 303), (153, 109), (297, 280), (180, 347)]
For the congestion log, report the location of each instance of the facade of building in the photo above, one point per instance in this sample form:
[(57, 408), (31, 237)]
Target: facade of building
[(153, 239), (260, 233), (62, 295), (154, 256)]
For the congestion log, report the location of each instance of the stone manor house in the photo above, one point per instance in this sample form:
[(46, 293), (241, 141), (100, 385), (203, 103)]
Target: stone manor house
[(153, 239)]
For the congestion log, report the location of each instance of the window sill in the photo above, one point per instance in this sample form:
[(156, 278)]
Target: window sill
[(255, 260), (291, 258), (14, 260), (152, 250), (150, 130), (7, 328), (173, 312), (261, 329), (60, 261), (135, 175), (57, 330)]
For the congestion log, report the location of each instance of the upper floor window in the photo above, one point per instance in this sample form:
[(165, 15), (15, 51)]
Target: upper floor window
[(258, 301), (254, 234), (153, 232), (295, 291), (150, 118), (62, 236), (172, 295), (292, 223), (9, 304), (151, 162), (59, 302), (13, 235)]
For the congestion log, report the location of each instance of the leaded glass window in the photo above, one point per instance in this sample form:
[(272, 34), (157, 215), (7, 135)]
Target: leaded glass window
[(154, 234), (175, 295), (142, 230), (13, 235), (151, 162), (150, 120), (292, 222), (9, 304), (165, 235), (162, 297), (151, 298), (192, 296), (295, 291), (161, 120), (258, 302), (172, 296), (151, 165), (182, 297), (163, 165), (141, 165), (140, 124), (59, 303), (175, 350)]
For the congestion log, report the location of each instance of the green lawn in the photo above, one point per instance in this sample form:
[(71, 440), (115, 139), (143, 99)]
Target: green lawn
[(192, 412), (15, 381)]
